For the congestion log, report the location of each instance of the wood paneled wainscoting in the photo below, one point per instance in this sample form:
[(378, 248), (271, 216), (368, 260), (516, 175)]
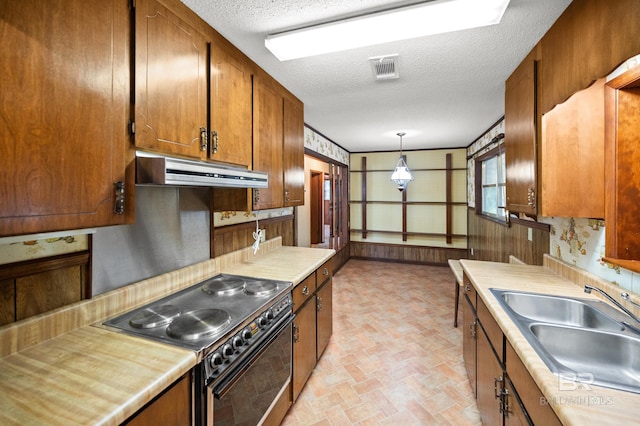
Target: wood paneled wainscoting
[(405, 253), (493, 241), (225, 239)]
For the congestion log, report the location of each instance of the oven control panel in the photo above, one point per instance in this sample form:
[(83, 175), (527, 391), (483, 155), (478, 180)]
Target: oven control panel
[(236, 348)]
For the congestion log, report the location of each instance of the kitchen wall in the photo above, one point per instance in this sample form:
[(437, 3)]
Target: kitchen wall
[(577, 241)]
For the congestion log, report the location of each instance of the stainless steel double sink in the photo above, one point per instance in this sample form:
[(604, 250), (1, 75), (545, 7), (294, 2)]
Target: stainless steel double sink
[(580, 340)]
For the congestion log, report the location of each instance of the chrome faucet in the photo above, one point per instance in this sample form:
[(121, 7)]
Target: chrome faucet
[(588, 288)]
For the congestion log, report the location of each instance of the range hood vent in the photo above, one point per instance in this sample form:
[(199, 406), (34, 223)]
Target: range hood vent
[(152, 170)]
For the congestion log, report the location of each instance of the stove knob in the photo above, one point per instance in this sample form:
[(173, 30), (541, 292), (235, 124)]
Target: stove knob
[(216, 360), (246, 334), (236, 342), (269, 314), (262, 321), (227, 350)]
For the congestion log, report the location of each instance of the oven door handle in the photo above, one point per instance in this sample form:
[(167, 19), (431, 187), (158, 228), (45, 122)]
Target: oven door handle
[(223, 387)]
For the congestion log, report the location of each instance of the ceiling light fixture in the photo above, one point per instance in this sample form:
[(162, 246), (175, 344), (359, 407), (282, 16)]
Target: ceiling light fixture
[(401, 174), (433, 17)]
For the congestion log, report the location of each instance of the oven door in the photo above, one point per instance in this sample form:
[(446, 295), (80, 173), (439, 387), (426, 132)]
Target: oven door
[(246, 394)]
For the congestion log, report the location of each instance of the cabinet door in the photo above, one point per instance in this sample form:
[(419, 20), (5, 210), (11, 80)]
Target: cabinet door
[(304, 346), (64, 105), (520, 137), (490, 382), (293, 152), (469, 331), (173, 407), (514, 412), (324, 302), (231, 109), (267, 142), (170, 82)]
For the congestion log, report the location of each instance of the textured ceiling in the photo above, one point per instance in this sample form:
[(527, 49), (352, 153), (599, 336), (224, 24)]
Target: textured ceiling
[(451, 86)]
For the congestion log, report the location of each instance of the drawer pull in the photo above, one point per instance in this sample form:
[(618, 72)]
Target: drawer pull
[(325, 271), (305, 290), (467, 287)]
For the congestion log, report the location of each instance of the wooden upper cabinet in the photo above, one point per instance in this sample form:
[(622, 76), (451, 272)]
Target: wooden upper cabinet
[(622, 157), (588, 41), (293, 152), (231, 109), (572, 156), (268, 142), (171, 98), (521, 137), (64, 105)]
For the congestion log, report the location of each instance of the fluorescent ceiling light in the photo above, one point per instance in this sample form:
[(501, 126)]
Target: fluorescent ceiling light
[(420, 20)]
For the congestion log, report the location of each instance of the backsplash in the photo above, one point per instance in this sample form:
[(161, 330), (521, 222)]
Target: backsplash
[(581, 242)]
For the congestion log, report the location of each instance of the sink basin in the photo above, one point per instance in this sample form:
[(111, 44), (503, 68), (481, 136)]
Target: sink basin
[(602, 358), (559, 310), (580, 340)]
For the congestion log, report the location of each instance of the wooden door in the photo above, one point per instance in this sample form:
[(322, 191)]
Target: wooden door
[(304, 345), (267, 143), (316, 225), (171, 98), (64, 107), (231, 109), (324, 301), (521, 138), (293, 152)]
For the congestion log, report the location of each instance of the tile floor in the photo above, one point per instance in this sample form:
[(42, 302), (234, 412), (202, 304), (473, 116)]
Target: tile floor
[(394, 357)]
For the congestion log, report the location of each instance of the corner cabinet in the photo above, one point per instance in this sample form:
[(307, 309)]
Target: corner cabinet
[(312, 327), (65, 157), (171, 98), (521, 137)]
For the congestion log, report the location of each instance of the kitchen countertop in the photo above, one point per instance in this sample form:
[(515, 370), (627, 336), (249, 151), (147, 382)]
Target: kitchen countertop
[(96, 375), (577, 406)]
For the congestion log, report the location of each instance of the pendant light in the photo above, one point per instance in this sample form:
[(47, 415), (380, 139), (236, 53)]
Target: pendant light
[(401, 174)]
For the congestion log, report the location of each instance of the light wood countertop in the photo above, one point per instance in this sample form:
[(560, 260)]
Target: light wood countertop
[(90, 374), (573, 406)]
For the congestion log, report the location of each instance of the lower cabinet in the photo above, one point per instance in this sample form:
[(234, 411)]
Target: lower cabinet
[(505, 391), (312, 327), (171, 408)]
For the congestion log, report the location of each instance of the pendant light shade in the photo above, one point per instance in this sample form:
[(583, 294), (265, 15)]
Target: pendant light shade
[(401, 174)]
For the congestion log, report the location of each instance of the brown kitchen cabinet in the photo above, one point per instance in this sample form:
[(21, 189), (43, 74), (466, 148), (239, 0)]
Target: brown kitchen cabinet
[(267, 141), (520, 141), (293, 152), (171, 97), (64, 105), (312, 326), (504, 389), (572, 156), (231, 105), (171, 408), (622, 157)]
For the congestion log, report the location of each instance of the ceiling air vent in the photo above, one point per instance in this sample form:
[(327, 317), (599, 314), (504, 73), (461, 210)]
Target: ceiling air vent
[(385, 67)]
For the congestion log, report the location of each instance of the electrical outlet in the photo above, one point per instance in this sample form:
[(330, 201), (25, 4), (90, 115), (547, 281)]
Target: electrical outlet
[(530, 234), (263, 235)]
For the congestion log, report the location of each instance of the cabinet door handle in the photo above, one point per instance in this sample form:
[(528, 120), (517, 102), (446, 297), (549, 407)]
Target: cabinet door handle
[(296, 333), (305, 290), (204, 139), (497, 388), (319, 304), (472, 330), (118, 206), (214, 142)]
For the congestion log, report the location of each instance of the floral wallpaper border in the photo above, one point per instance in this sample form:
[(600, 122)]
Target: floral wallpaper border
[(318, 143)]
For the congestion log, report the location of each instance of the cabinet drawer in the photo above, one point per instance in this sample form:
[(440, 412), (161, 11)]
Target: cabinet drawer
[(303, 291), (470, 291), (492, 329), (325, 272)]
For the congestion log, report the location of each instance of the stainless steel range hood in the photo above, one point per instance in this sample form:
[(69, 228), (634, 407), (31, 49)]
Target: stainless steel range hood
[(161, 170)]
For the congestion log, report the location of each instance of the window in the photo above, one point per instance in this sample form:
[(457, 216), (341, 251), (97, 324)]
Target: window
[(490, 185)]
